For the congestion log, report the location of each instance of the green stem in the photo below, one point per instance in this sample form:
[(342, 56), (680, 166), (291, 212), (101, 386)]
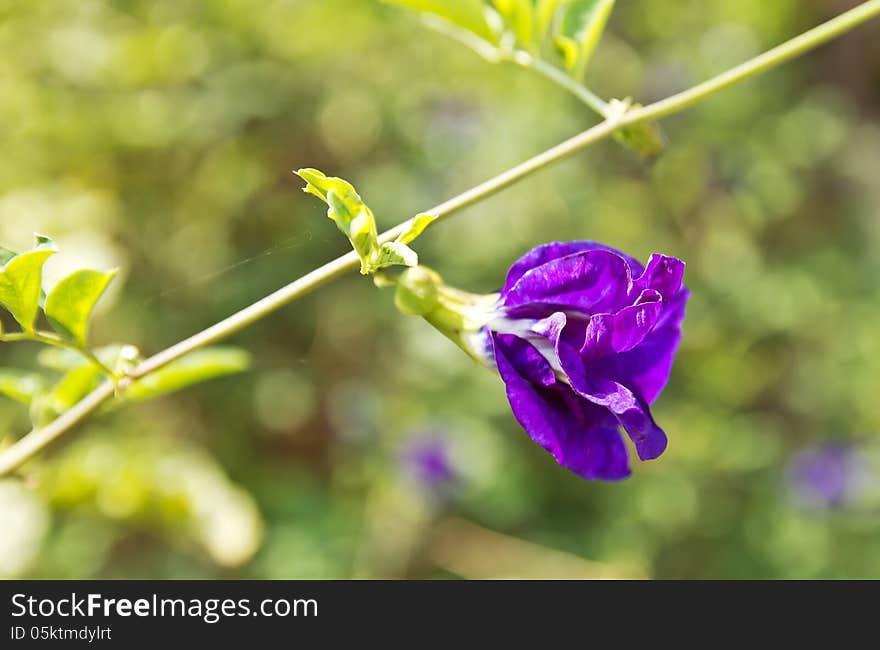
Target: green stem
[(495, 54), (50, 338), (561, 78), (769, 59), (38, 439)]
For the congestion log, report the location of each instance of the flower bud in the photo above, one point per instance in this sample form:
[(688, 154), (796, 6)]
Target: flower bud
[(457, 314)]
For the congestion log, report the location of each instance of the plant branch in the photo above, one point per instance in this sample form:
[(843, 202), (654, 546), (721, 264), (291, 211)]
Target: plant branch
[(38, 439), (50, 338), (562, 79), (496, 54)]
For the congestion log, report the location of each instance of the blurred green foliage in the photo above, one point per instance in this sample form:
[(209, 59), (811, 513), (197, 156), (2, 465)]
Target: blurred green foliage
[(157, 137)]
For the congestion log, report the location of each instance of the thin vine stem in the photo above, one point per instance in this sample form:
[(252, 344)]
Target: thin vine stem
[(560, 78), (50, 338), (38, 439), (495, 54)]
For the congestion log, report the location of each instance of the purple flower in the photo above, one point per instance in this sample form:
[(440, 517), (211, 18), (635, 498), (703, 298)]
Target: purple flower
[(584, 338), (427, 460), (825, 475)]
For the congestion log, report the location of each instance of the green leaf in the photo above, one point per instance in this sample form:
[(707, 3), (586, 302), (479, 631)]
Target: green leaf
[(518, 16), (69, 305), (416, 227), (199, 366), (41, 242), (21, 282), (581, 26), (319, 184), (396, 254), (51, 401), (468, 14), (73, 386), (545, 12), (20, 385), (79, 377), (351, 215), (6, 255)]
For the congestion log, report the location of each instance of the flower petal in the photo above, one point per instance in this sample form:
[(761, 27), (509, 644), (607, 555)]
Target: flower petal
[(663, 274), (582, 437), (525, 360), (622, 331), (646, 367), (554, 250), (589, 282), (630, 409)]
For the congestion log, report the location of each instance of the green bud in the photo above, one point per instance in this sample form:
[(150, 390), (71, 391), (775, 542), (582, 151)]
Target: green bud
[(645, 138), (395, 253), (458, 315), (416, 293)]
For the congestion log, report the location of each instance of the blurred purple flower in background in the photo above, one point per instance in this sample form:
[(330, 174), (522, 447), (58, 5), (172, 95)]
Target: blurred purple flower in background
[(584, 340), (827, 475), (426, 458)]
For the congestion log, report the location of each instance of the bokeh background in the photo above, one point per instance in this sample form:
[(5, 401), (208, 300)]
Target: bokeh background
[(158, 136)]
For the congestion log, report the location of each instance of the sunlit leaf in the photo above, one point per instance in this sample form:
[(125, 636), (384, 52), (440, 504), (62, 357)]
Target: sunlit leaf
[(73, 386), (20, 385), (199, 366), (518, 16), (468, 14), (21, 282), (319, 184), (581, 25), (6, 255), (346, 208), (416, 227), (69, 305), (79, 378), (42, 242), (545, 11)]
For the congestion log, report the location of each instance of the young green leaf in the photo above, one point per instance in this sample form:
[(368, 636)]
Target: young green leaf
[(41, 242), (357, 222), (20, 385), (51, 400), (6, 255), (395, 253), (467, 14), (199, 366), (416, 227), (21, 283), (581, 25), (69, 305), (518, 16), (545, 12), (351, 215), (319, 184), (72, 387)]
